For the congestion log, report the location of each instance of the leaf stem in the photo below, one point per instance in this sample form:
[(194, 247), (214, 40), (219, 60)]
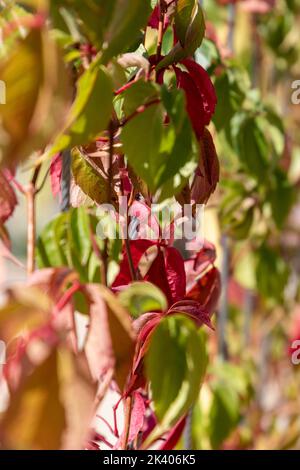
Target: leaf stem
[(162, 13), (140, 110), (130, 261), (66, 297), (132, 270), (128, 410), (111, 156), (111, 131), (31, 220)]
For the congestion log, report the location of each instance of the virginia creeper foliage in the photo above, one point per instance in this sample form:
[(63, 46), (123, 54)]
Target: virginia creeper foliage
[(113, 101)]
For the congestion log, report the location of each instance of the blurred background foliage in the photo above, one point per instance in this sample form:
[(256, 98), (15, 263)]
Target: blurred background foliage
[(251, 398)]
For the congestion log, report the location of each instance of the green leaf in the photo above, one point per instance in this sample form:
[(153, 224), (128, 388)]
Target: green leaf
[(244, 271), (175, 367), (231, 93), (179, 145), (139, 94), (51, 245), (224, 413), (66, 241), (175, 55), (207, 55), (190, 30), (92, 16), (272, 274), (163, 156), (129, 17), (281, 196), (276, 29), (92, 183), (183, 15), (241, 226), (142, 297), (141, 138), (79, 239), (253, 148), (91, 110), (196, 27), (237, 209), (231, 389), (272, 124)]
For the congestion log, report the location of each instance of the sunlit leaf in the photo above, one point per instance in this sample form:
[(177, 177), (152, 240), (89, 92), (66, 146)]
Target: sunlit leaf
[(142, 297), (91, 110), (91, 179), (161, 155), (66, 241), (129, 17)]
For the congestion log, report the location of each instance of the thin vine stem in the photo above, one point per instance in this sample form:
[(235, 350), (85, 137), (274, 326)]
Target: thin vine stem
[(160, 35), (31, 220), (128, 412), (139, 110)]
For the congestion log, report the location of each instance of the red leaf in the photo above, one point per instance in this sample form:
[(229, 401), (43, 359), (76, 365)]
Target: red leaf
[(174, 435), (167, 272), (154, 18), (137, 248), (91, 445), (136, 419), (141, 321), (165, 268), (137, 416), (55, 174), (208, 171), (207, 291), (175, 273), (200, 94), (196, 265), (98, 346), (144, 335), (150, 423), (194, 310), (8, 200), (204, 85), (194, 102)]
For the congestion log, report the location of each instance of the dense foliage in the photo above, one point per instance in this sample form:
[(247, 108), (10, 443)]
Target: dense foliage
[(134, 111)]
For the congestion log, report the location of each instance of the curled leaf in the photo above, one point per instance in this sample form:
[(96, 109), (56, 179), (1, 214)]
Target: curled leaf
[(208, 171), (142, 297)]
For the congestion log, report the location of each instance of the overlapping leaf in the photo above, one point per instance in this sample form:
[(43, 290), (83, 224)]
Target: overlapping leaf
[(175, 366)]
